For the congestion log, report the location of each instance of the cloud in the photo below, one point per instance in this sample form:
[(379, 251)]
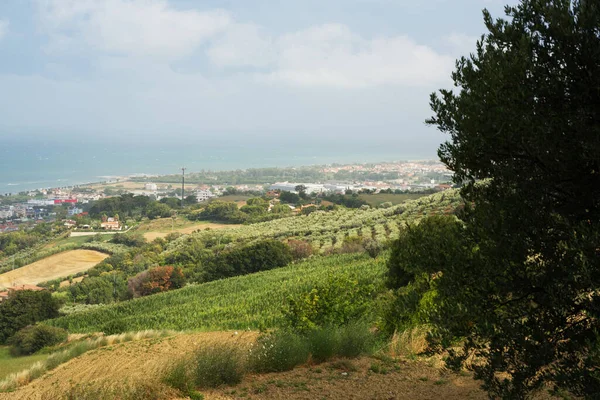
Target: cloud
[(461, 44), (331, 55), (139, 28), (3, 28)]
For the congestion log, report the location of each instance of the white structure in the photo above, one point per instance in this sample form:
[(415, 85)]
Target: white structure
[(203, 195), (151, 186), (291, 187), (74, 211)]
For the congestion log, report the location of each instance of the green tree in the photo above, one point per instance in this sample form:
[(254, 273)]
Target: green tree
[(525, 118), (23, 308)]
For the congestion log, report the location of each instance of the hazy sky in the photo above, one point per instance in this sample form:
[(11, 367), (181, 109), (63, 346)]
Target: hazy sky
[(289, 69)]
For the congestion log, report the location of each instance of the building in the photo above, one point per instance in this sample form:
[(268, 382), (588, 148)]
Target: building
[(203, 195), (74, 211), (110, 224), (151, 186)]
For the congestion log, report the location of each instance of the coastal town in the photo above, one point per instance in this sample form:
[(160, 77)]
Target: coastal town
[(50, 204)]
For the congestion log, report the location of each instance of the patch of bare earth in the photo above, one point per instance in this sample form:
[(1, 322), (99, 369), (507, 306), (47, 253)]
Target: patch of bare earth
[(125, 363), (355, 379)]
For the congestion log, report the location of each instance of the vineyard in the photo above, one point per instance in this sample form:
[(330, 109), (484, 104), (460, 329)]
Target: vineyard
[(328, 230), (250, 301)]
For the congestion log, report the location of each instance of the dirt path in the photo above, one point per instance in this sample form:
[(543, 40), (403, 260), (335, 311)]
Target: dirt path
[(56, 266)]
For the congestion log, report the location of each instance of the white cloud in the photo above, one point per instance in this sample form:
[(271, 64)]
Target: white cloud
[(461, 44), (147, 28), (332, 55), (3, 27)]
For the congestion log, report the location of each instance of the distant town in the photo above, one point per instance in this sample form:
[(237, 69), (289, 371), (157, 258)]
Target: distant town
[(52, 204)]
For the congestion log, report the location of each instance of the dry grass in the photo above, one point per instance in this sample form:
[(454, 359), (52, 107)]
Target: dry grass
[(53, 267), (159, 228), (127, 358), (408, 343)]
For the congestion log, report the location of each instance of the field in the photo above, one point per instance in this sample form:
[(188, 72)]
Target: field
[(142, 362), (328, 230), (375, 200), (163, 226), (53, 267), (9, 364), (245, 302)]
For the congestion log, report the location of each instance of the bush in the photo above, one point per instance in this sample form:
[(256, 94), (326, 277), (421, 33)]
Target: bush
[(33, 338), (299, 249), (336, 301), (209, 367), (355, 340), (277, 352), (372, 247), (156, 280), (324, 343)]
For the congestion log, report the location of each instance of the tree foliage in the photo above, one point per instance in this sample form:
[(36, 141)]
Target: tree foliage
[(23, 308), (525, 117)]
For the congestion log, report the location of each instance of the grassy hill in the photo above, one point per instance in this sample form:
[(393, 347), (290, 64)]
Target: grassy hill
[(250, 301)]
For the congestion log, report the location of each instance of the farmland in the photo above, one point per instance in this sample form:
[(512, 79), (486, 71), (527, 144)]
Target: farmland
[(328, 230), (250, 301), (53, 267), (375, 200), (161, 227)]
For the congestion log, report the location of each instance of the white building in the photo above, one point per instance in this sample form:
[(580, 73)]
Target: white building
[(203, 195), (151, 186)]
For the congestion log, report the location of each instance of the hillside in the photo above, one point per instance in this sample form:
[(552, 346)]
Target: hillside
[(141, 362), (250, 301), (327, 230)]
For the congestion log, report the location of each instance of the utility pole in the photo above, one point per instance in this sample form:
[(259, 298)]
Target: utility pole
[(182, 186)]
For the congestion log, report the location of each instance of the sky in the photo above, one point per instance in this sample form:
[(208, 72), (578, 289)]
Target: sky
[(231, 70)]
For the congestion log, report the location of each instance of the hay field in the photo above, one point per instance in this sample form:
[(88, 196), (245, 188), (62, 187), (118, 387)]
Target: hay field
[(56, 266), (159, 228)]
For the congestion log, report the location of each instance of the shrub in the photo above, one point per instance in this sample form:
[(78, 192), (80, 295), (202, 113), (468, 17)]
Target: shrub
[(220, 364), (299, 249), (278, 351), (355, 340), (324, 343), (352, 245), (336, 301), (372, 247), (33, 338), (156, 280)]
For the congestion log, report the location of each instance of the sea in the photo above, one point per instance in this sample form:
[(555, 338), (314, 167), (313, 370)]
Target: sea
[(34, 163)]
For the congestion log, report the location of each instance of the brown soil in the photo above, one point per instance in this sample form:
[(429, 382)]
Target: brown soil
[(345, 379), (367, 378), (130, 362)]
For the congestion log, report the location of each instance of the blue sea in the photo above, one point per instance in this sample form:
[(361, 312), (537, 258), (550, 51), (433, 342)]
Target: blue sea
[(31, 163)]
